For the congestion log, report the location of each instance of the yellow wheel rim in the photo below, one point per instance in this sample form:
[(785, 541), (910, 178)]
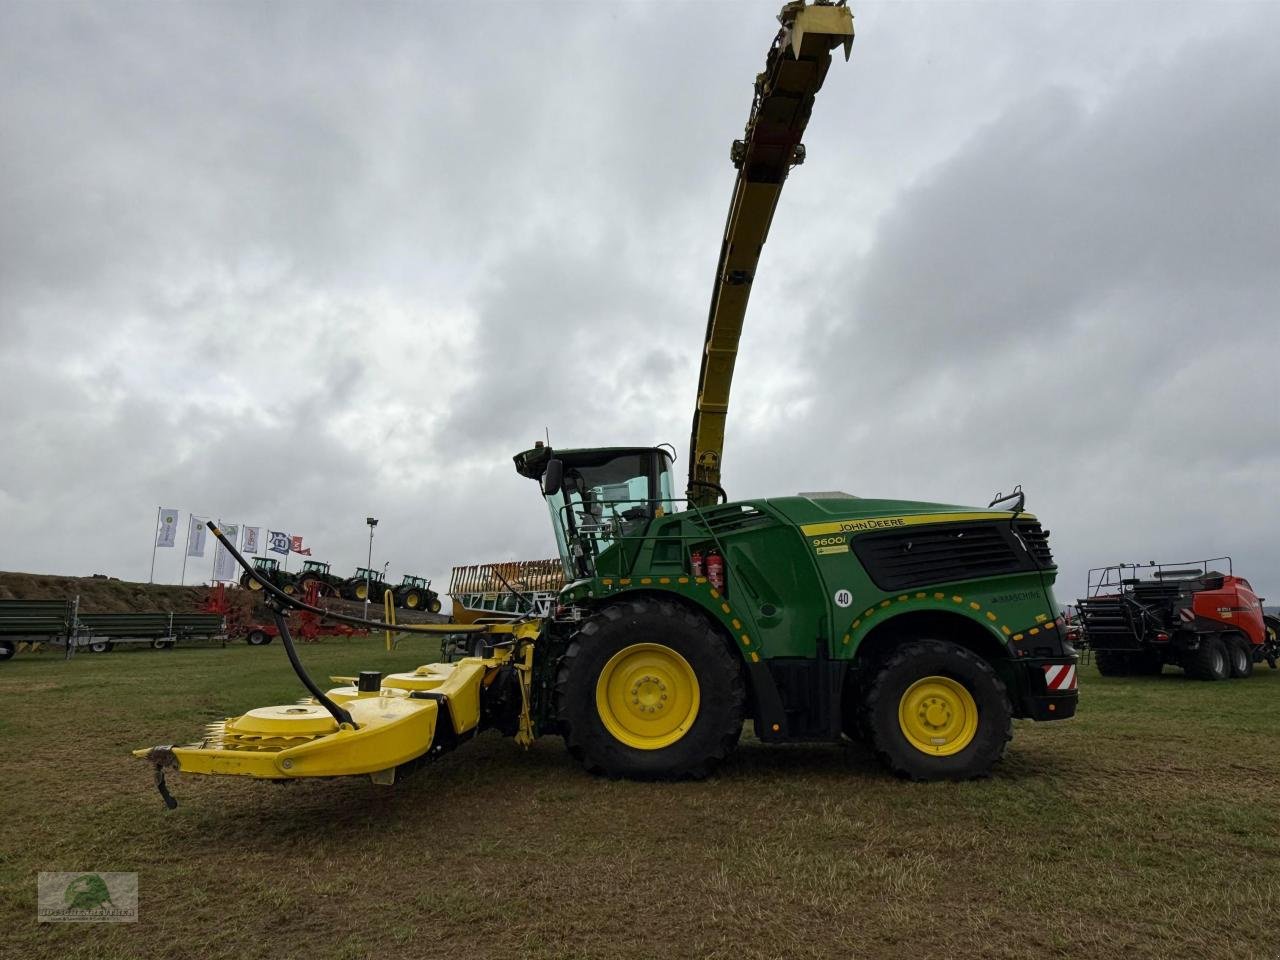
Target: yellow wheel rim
[(938, 716), (254, 584), (411, 601), (647, 696), (362, 591)]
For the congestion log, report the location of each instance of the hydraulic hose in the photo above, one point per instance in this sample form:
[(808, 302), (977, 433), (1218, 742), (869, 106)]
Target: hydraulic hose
[(277, 613), (338, 713)]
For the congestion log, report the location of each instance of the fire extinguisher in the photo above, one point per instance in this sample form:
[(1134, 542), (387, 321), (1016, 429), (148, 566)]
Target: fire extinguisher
[(715, 570), (695, 563)]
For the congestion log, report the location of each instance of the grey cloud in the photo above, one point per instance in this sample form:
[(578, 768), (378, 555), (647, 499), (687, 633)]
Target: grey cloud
[(296, 263)]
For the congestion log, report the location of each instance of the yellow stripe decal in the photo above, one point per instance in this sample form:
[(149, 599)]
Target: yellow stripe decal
[(872, 524)]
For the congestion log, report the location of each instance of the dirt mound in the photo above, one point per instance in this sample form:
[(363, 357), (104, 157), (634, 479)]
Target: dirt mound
[(108, 595)]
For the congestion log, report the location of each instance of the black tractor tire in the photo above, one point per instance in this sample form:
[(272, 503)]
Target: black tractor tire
[(1239, 657), (411, 599), (7, 650), (248, 582), (1148, 663), (1113, 663), (434, 604), (292, 589), (1209, 661), (722, 693), (257, 638), (917, 660)]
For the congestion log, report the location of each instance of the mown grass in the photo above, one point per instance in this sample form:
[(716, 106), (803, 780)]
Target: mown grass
[(1147, 827)]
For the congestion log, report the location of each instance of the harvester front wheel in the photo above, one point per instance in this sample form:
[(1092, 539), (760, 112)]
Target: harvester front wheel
[(650, 690), (936, 711), (258, 638)]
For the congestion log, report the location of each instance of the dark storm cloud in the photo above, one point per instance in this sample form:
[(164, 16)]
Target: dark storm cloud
[(292, 264)]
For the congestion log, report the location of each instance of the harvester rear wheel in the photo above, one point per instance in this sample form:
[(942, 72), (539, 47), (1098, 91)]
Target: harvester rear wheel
[(936, 711), (258, 638), (650, 690), (1209, 662), (1239, 656)]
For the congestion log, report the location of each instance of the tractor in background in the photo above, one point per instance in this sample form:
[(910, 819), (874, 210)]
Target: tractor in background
[(317, 571), (1139, 617), (415, 593), (364, 584), (269, 568)]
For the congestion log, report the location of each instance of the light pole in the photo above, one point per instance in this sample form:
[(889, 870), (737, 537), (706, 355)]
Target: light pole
[(368, 569)]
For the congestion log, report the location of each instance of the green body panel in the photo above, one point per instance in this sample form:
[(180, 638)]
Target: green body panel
[(784, 598)]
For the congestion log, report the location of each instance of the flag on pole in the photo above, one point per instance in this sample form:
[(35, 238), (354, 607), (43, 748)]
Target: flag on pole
[(224, 565), (196, 531), (249, 545), (167, 535), (279, 542), (295, 544)]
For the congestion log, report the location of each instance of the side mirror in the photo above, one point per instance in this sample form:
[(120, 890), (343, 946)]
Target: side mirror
[(553, 477)]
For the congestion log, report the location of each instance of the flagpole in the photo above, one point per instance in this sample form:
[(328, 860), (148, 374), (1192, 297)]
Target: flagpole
[(214, 568), (155, 535), (182, 581)]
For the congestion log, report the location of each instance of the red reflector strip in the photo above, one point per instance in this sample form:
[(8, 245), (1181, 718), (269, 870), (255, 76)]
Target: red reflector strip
[(1060, 676)]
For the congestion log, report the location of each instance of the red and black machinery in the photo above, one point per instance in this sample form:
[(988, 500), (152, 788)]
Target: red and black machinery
[(1138, 617), (305, 626)]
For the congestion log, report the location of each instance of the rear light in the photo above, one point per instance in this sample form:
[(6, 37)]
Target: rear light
[(1162, 638)]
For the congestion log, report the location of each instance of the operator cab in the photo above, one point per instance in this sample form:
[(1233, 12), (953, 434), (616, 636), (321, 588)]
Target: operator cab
[(599, 497)]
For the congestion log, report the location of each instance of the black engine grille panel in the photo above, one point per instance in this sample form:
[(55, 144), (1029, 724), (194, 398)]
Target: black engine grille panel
[(906, 559)]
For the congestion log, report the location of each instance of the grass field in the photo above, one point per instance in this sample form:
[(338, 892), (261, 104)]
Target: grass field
[(1147, 827)]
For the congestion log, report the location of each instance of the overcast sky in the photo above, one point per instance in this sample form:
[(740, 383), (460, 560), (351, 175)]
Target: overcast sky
[(293, 264)]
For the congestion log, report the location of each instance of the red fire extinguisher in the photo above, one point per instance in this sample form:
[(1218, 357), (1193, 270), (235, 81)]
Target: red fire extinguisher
[(715, 570), (695, 563)]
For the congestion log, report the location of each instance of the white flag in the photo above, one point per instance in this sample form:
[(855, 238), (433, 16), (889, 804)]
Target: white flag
[(195, 537), (224, 565), (168, 531), (279, 542), (249, 545)]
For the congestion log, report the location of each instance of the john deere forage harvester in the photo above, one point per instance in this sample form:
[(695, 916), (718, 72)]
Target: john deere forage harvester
[(921, 628)]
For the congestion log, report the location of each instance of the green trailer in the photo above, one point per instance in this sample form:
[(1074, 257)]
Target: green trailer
[(31, 623)]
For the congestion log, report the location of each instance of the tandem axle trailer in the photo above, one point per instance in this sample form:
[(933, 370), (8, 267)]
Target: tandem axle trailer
[(30, 624)]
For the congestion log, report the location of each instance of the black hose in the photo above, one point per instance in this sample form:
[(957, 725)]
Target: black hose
[(338, 713)]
